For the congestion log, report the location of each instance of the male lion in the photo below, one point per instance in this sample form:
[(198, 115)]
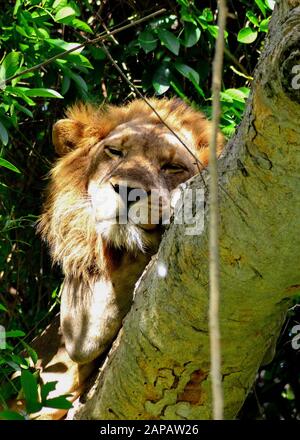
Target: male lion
[(112, 160), (106, 155)]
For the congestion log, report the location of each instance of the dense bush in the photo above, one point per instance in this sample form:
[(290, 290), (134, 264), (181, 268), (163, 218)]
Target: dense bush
[(170, 54)]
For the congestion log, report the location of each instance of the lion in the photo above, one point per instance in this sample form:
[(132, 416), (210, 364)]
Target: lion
[(107, 156), (102, 152)]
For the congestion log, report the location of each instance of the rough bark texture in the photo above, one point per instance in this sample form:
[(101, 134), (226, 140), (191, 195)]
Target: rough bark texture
[(159, 365)]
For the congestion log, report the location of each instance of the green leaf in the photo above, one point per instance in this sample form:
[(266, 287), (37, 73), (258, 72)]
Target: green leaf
[(288, 392), (3, 308), (169, 40), (58, 4), (10, 65), (161, 79), (261, 6), (65, 14), (10, 166), (176, 86), (186, 15), (13, 365), (46, 389), (22, 32), (247, 35), (34, 93), (20, 91), (147, 41), (245, 91), (79, 81), (42, 33), (79, 24), (11, 415), (54, 293), (23, 109), (187, 72), (14, 333), (214, 31), (43, 93), (32, 353), (252, 17), (264, 25), (225, 97), (61, 44), (79, 60), (198, 88), (60, 402), (18, 360), (3, 135), (192, 34), (30, 389), (239, 95), (74, 57), (17, 6), (65, 85), (228, 130), (97, 53), (207, 14)]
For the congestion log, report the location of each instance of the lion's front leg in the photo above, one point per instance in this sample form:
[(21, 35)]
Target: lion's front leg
[(91, 315)]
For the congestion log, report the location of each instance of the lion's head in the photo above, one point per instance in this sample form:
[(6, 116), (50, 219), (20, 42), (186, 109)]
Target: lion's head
[(112, 161), (106, 203)]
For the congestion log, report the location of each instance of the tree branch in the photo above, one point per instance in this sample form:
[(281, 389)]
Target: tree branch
[(101, 37), (214, 270)]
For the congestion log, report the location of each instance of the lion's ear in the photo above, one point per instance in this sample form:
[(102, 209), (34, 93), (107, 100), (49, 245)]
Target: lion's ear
[(66, 135)]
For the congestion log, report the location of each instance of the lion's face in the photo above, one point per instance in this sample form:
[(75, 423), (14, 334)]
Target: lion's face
[(133, 172), (112, 186)]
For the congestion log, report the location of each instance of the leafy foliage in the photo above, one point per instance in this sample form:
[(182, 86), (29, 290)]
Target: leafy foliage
[(276, 392), (168, 55)]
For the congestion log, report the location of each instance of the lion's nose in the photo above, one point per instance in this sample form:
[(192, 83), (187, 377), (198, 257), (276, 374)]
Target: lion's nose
[(129, 194)]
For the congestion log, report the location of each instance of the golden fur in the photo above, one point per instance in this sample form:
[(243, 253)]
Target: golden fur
[(67, 224)]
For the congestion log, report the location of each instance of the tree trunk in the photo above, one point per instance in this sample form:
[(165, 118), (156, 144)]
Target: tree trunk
[(159, 366)]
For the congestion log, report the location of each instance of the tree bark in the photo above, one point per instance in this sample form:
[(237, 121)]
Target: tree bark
[(159, 365)]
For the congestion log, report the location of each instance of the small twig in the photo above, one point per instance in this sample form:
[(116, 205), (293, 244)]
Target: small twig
[(236, 62), (117, 67), (109, 33), (214, 272), (101, 37), (123, 64)]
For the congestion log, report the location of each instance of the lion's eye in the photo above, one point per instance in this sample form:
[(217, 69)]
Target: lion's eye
[(113, 152), (172, 168)]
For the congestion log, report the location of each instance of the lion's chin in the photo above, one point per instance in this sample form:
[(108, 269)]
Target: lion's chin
[(130, 236)]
